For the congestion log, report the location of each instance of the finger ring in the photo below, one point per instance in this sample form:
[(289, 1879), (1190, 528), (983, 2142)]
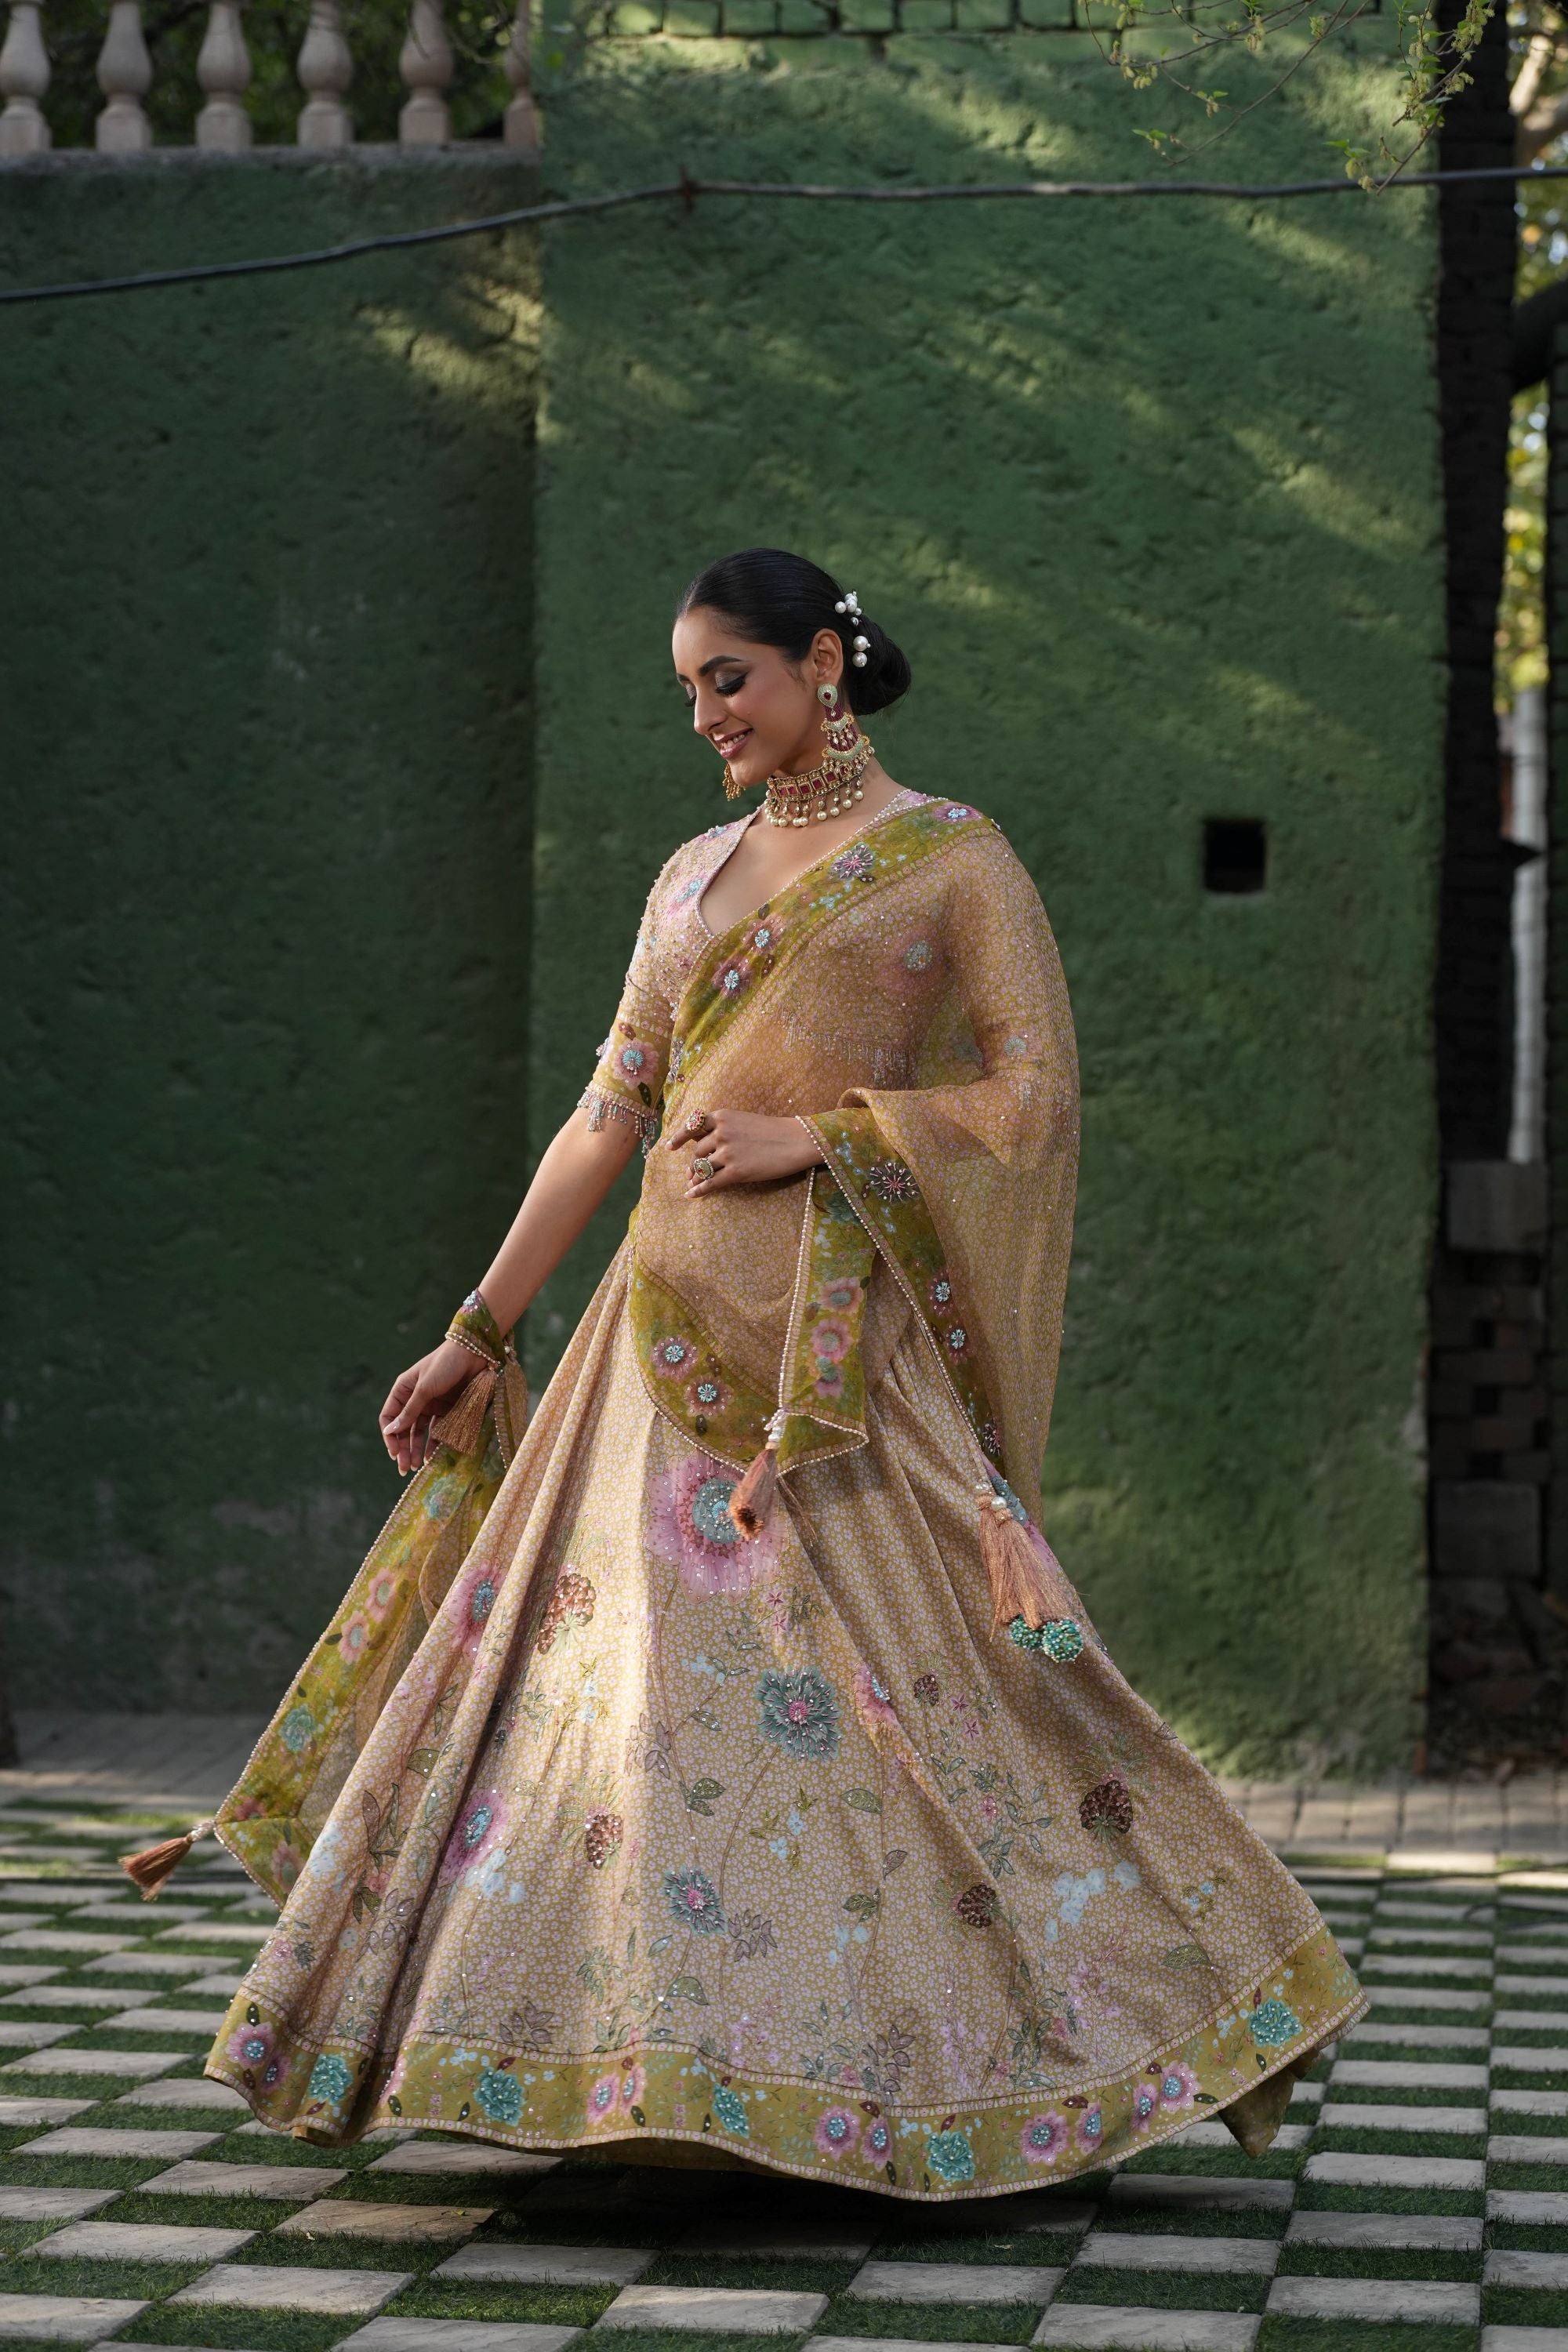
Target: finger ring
[(696, 1122), (704, 1168)]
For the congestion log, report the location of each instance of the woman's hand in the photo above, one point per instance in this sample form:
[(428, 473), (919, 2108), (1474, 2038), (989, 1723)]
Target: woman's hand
[(417, 1397), (741, 1147)]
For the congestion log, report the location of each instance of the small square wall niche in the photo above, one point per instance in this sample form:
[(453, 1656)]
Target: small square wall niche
[(1236, 855)]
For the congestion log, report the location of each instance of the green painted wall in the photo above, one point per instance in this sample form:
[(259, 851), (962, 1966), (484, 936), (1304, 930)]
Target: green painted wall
[(1149, 493), (309, 645), (266, 614)]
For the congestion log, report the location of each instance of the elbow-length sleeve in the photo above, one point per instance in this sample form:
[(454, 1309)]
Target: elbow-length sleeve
[(634, 1060)]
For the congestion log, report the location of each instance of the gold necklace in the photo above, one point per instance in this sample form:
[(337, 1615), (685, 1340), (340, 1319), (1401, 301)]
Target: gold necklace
[(832, 787)]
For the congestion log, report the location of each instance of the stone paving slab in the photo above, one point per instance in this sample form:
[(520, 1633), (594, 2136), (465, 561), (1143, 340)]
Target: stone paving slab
[(29, 1972), (1524, 2147), (972, 2283), (1389, 2232), (1444, 2174), (143, 1963), (59, 1996), (129, 2063), (1523, 2059), (512, 2265), (471, 2335), (1110, 2327), (66, 2318), (1347, 2114), (455, 2156), (429, 2225), (141, 2241), (1530, 2102), (338, 2295), (1383, 2301), (290, 2184), (1400, 2036), (737, 2310), (215, 1931), (1524, 2339), (1402, 2075), (1187, 2192), (19, 2033), (14, 2111), (1285, 2141), (88, 2139), (1506, 2266), (1539, 2209), (184, 2091), (1408, 1995), (62, 1940), (229, 1983), (53, 2204), (1530, 2020), (171, 2021), (1140, 2250)]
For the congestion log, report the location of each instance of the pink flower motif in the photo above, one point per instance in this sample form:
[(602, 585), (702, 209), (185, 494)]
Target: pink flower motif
[(731, 978), (383, 1593), (989, 1810), (843, 1295), (872, 1702), (632, 2085), (829, 1381), (254, 2047), (707, 1394), (766, 934), (471, 1602), (1091, 2129), (1044, 2137), (1178, 2086), (287, 1864), (877, 2140), (478, 1828), (672, 1355), (831, 1340), (691, 1527), (353, 1639), (1145, 2104), (838, 2132), (604, 2099), (247, 1809)]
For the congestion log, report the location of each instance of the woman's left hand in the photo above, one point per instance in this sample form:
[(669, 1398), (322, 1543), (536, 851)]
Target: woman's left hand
[(741, 1147)]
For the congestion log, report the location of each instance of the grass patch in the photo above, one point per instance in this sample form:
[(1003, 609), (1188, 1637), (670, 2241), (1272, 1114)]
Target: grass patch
[(302, 2253), (1341, 2139), (1528, 2237), (1523, 2306), (81, 2172), (38, 2275), (1515, 2078), (1415, 2094), (1552, 2178), (1216, 2163), (1125, 2221), (784, 2273), (1054, 2248), (1299, 2260), (680, 2339), (546, 2306), (1165, 2290), (259, 2331), (199, 2212), (927, 2323), (1341, 2335)]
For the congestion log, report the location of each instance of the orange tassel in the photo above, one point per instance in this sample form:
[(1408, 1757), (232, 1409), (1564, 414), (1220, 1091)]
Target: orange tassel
[(150, 1867), (752, 1500), (1017, 1585), (461, 1424)]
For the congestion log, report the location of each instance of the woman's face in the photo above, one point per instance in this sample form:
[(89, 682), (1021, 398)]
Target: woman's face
[(757, 707)]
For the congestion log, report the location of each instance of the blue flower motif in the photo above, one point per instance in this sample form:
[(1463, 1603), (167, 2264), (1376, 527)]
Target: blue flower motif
[(1062, 1640), (731, 2110), (800, 1714), (298, 1730), (500, 2095), (1274, 2024), (711, 1508), (950, 2156), (330, 2078), (694, 1899)]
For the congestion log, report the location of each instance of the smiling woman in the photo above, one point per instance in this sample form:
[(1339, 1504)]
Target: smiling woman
[(722, 1767)]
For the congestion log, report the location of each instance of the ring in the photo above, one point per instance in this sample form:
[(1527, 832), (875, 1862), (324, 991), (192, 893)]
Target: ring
[(696, 1121), (704, 1168)]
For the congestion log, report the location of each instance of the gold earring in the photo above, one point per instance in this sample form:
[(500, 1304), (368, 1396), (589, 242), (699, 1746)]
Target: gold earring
[(732, 790), (838, 722)]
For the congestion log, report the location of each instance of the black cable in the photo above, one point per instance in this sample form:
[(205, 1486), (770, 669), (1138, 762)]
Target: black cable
[(689, 190)]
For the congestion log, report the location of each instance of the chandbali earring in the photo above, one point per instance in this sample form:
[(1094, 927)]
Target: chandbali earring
[(838, 722), (732, 790)]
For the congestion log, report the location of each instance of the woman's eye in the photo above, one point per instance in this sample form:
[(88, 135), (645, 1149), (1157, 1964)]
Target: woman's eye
[(730, 685)]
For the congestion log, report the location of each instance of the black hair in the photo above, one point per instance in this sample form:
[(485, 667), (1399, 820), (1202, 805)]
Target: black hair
[(773, 598)]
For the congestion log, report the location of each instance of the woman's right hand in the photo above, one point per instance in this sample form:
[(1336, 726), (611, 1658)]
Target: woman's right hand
[(418, 1395)]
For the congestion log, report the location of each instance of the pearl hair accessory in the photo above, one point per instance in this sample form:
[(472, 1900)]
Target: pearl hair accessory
[(849, 605)]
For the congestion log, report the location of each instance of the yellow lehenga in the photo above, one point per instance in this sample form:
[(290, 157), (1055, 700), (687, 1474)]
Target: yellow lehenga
[(596, 1824)]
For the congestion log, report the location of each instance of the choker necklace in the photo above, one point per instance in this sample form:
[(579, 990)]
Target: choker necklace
[(830, 789)]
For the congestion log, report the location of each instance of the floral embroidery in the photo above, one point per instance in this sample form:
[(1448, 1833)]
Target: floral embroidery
[(1273, 2024), (707, 1394), (330, 2078), (498, 2096), (843, 1294), (731, 2112), (941, 1291), (1091, 2129), (799, 1713), (873, 1703), (956, 1340), (1043, 2138), (574, 1598), (978, 1905), (691, 1527), (1178, 2088), (918, 956), (671, 1355), (478, 1828), (631, 1059), (831, 1340), (855, 862), (731, 978), (601, 1837), (471, 1602), (876, 2140), (890, 1180), (297, 1729), (957, 811), (253, 2046), (927, 1689), (694, 1899), (1061, 1640), (604, 2099), (1107, 1811), (950, 2156), (837, 2132), (1145, 2104), (829, 1382), (384, 1591)]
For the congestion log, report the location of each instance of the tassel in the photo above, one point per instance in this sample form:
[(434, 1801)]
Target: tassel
[(461, 1424), (752, 1500), (154, 1863), (1017, 1585)]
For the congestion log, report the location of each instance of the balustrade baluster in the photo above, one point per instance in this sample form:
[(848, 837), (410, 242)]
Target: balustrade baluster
[(124, 75), (222, 70), (425, 65), (24, 78), (521, 125), (325, 69)]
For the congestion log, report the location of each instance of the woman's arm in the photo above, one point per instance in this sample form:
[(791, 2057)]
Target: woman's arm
[(570, 1182)]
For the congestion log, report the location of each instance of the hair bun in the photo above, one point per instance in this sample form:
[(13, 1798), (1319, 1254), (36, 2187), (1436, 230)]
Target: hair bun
[(883, 675), (775, 598)]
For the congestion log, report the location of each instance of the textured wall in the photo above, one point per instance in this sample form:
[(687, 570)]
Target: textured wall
[(1149, 494), (266, 643)]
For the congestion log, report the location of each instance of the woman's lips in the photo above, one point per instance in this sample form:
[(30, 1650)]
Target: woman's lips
[(728, 745)]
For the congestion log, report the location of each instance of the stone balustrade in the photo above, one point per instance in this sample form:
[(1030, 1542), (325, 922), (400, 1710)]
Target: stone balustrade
[(324, 67)]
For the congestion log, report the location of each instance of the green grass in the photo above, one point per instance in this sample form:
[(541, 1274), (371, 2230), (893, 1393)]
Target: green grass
[(80, 2171), (302, 2253), (1522, 2307), (1528, 2237), (784, 2273), (1357, 2335), (1300, 2261), (546, 2306), (1216, 2163), (1053, 2248), (1167, 2290), (263, 2331), (41, 2274), (930, 2323), (1339, 2139), (1554, 2178), (1123, 2221)]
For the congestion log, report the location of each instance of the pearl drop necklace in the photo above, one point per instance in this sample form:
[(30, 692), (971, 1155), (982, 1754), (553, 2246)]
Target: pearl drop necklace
[(829, 790)]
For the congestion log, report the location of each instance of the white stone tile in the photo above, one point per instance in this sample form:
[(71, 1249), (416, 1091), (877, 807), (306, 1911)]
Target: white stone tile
[(743, 2310), (776, 2240), (1114, 2328), (863, 2344), (1307, 2094), (1434, 1864), (1535, 2209), (87, 2139), (290, 2184), (346, 2294), (1404, 1906), (1470, 1939), (1522, 2148), (1289, 2138), (127, 1914), (1387, 2233), (171, 2021), (1184, 2192), (513, 2265), (1507, 2267), (131, 2065), (141, 2241), (18, 2034), (1530, 2102), (28, 1972), (183, 2091), (1523, 2060), (1510, 1983), (14, 2111), (1388, 2299), (1412, 1965), (218, 1931), (471, 2335), (59, 1996), (1404, 2074), (1532, 1954), (1396, 2035), (454, 2156), (1341, 2115), (1518, 1901), (380, 2218), (51, 1892), (1531, 2020), (143, 1963), (62, 1940), (66, 2318), (972, 2283), (53, 2204), (41, 1850), (1444, 2173), (1140, 2250), (1405, 1996), (227, 1982), (1524, 2339)]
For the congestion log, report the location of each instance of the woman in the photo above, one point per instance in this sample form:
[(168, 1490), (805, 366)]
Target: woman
[(723, 1769)]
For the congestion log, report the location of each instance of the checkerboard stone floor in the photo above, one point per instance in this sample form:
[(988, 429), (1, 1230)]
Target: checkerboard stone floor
[(1416, 2197)]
